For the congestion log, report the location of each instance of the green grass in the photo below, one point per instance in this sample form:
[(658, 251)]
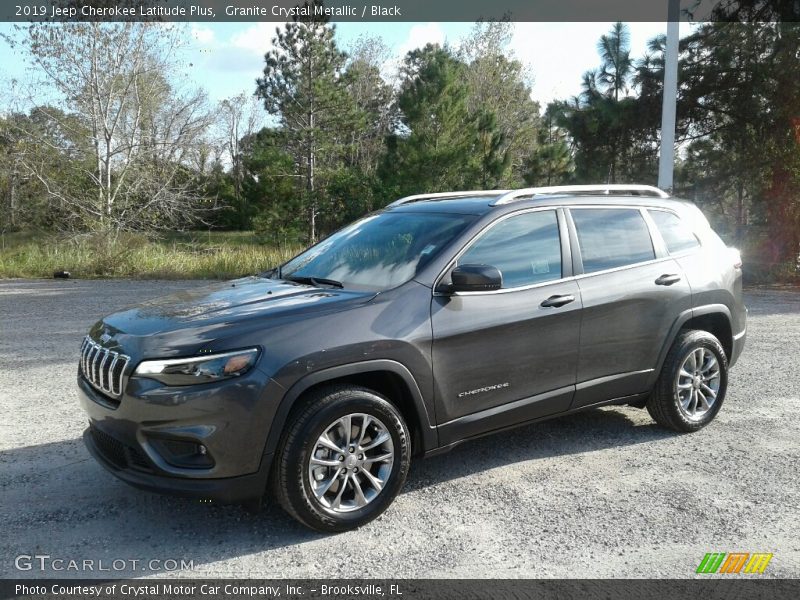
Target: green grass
[(177, 255)]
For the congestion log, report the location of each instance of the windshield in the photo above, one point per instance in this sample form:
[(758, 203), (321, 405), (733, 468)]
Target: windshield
[(378, 252)]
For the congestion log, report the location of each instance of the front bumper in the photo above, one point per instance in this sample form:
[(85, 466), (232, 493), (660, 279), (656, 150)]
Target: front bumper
[(230, 420), (229, 490)]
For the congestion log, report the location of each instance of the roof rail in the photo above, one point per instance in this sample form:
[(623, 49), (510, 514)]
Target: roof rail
[(610, 189), (416, 197)]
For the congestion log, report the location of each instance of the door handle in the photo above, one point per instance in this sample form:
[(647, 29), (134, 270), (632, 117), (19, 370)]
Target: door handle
[(556, 301), (668, 279)]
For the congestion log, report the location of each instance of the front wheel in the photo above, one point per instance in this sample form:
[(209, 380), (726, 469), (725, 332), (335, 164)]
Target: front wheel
[(692, 385), (345, 457)]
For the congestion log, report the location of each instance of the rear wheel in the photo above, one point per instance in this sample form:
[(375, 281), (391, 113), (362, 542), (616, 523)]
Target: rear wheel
[(692, 385), (345, 457)]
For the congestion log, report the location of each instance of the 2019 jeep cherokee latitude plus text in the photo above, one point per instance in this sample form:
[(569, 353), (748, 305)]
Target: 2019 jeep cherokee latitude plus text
[(440, 318)]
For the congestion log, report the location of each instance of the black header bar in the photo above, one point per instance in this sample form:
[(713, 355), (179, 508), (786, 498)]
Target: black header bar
[(396, 10)]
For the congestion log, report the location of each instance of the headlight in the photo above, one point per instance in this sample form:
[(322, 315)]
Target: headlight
[(199, 369)]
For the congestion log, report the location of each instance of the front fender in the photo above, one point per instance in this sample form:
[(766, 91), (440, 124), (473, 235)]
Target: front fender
[(426, 423)]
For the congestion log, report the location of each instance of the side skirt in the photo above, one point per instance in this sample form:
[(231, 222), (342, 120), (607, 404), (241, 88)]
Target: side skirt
[(633, 400)]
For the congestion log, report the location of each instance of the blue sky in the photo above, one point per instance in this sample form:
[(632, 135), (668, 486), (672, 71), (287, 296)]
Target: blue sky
[(225, 58)]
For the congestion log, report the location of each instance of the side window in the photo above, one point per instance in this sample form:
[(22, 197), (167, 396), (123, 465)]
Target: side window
[(525, 248), (612, 237), (677, 235)]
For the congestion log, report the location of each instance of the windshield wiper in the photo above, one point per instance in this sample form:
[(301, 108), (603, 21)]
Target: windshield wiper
[(316, 281)]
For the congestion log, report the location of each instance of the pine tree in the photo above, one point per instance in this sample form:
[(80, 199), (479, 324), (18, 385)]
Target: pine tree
[(435, 149), (303, 87), (492, 149), (500, 84)]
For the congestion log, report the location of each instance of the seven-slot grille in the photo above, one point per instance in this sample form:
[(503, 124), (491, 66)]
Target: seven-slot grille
[(103, 368)]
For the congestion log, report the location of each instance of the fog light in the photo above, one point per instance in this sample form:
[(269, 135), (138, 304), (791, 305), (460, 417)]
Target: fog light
[(183, 453)]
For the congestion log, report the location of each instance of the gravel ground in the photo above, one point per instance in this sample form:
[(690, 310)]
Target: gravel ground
[(602, 494)]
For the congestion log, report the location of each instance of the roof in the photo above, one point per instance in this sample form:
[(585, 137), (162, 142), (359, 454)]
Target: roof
[(482, 202), (467, 205)]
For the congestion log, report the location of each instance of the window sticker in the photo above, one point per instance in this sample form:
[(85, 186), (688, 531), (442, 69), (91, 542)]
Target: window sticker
[(540, 267)]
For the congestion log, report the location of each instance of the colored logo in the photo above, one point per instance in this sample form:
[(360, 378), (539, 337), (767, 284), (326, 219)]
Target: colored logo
[(734, 562)]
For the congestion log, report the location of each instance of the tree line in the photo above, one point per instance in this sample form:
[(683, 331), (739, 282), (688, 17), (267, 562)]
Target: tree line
[(124, 144)]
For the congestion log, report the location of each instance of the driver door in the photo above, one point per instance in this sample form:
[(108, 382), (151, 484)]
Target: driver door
[(510, 355)]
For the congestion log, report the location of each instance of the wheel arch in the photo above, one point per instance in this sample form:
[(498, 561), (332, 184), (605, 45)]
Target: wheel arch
[(713, 318), (386, 377), (717, 324)]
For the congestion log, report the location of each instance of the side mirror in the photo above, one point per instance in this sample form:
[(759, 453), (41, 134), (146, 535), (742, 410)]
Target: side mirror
[(475, 278)]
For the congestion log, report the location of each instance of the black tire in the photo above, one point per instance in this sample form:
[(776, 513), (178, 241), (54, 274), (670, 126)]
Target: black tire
[(321, 408), (664, 404)]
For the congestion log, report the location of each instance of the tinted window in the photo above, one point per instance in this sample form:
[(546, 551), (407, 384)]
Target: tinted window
[(380, 251), (612, 237), (676, 234), (525, 249)]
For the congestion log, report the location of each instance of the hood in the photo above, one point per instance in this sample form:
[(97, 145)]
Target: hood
[(200, 315)]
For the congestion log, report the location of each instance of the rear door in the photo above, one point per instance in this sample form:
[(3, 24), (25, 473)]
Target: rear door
[(632, 294), (501, 357)]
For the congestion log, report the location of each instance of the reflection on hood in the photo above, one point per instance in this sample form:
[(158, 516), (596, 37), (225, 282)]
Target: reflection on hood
[(251, 297)]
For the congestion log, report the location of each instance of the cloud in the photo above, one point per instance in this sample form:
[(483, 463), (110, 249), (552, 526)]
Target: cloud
[(243, 52), (256, 39), (419, 36), (557, 75)]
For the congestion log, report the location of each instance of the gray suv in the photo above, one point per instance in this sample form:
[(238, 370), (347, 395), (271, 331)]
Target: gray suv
[(439, 319)]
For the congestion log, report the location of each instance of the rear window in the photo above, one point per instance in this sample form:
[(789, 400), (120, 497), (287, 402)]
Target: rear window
[(612, 237), (677, 234)]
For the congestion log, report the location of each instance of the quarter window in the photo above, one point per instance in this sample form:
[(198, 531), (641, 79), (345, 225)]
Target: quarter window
[(525, 248), (677, 235), (612, 237)]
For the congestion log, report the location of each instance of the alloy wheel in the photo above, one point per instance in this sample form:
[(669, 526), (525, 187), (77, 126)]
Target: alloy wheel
[(697, 383), (351, 462)]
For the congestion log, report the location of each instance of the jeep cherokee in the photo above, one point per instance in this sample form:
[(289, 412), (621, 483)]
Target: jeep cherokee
[(440, 318)]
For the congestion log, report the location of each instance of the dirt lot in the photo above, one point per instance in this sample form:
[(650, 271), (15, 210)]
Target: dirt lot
[(602, 494)]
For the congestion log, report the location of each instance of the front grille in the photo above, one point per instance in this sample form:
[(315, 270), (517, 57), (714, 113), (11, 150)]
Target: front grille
[(113, 450), (120, 455), (103, 368), (137, 460)]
